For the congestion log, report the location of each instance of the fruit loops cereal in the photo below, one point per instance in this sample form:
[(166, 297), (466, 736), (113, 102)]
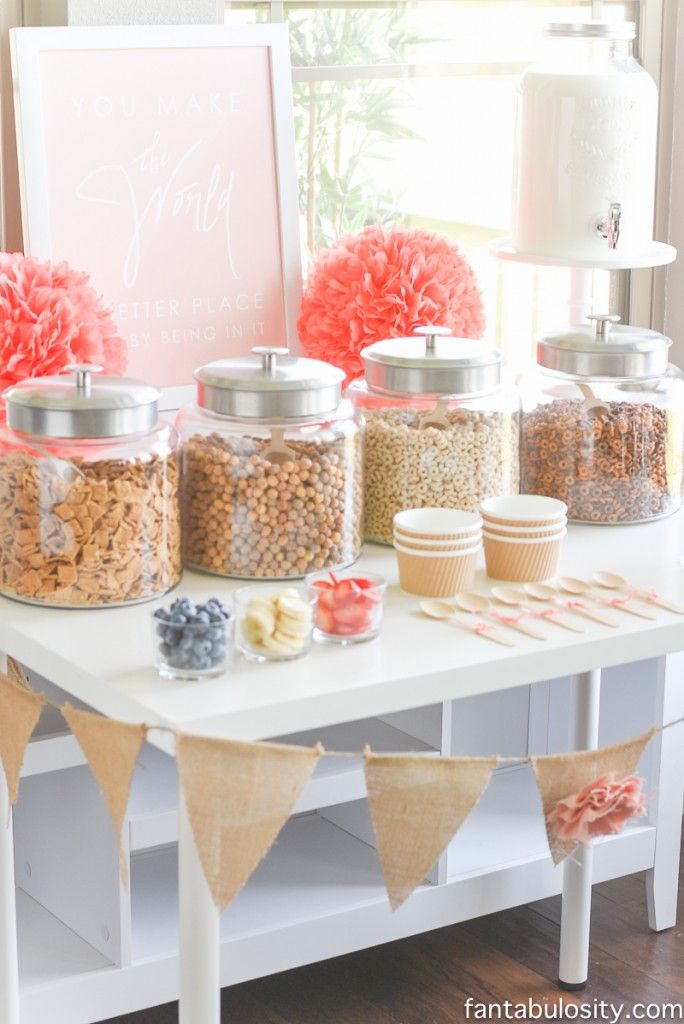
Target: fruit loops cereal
[(620, 463)]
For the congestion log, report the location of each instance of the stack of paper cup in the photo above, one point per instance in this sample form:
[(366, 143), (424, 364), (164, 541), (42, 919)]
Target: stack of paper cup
[(437, 550), (523, 535)]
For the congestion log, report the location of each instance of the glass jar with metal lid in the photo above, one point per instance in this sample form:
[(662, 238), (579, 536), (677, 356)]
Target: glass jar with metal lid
[(272, 468), (442, 429), (603, 423), (89, 492)]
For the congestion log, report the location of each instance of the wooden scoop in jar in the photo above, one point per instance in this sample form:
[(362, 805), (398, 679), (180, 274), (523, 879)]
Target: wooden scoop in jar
[(436, 417), (593, 406), (278, 452)]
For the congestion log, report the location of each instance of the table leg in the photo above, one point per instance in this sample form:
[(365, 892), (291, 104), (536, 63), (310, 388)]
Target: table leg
[(665, 802), (573, 967), (9, 965), (9, 970), (199, 939)]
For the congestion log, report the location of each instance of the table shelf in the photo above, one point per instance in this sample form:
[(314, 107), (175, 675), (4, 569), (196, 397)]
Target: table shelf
[(153, 807), (318, 871)]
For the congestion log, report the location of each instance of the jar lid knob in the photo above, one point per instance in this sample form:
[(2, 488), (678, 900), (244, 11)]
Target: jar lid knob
[(431, 332), (269, 355), (603, 322), (83, 372)]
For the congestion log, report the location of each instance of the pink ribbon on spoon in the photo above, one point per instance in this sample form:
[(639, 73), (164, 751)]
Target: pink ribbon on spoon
[(615, 602), (546, 613), (508, 619)]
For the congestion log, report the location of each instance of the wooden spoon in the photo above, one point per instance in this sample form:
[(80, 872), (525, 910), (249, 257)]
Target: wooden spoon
[(571, 585), (516, 599), (545, 592), (477, 604), (611, 581), (436, 609)]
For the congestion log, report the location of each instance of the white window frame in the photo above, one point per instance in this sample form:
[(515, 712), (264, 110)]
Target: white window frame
[(640, 295)]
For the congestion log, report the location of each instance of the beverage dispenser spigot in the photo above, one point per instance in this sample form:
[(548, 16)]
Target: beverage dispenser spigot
[(609, 227)]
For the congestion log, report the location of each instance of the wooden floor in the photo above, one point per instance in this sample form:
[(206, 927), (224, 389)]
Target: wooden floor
[(512, 955)]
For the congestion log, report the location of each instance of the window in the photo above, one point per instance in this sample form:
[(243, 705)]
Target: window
[(404, 112)]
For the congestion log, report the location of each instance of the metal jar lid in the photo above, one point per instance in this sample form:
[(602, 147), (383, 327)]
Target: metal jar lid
[(605, 350), (433, 363), (270, 384), (616, 30), (81, 406)]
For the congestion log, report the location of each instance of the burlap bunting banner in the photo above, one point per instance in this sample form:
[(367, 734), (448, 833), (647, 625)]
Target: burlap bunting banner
[(238, 796), (417, 805), (16, 672), (559, 776), (20, 710), (112, 749)]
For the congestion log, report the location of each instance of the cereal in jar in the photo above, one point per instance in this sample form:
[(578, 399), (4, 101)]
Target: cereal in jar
[(272, 468), (89, 492), (442, 429), (603, 424)]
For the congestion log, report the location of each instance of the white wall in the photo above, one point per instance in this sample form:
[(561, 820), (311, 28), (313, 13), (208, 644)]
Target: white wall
[(72, 12), (144, 12), (674, 276)]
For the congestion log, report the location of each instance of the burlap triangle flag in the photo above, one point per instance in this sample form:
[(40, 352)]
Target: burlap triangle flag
[(20, 709), (112, 749), (16, 672), (417, 805), (559, 776), (238, 796)]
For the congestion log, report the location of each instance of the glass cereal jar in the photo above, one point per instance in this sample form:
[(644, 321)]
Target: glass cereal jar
[(442, 429), (272, 468), (89, 492), (603, 423)]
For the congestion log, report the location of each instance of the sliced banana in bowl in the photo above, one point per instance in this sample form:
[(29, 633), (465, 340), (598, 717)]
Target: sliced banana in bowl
[(276, 625)]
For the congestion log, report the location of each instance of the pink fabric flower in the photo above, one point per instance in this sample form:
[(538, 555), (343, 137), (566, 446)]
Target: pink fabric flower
[(383, 284), (601, 808), (50, 317)]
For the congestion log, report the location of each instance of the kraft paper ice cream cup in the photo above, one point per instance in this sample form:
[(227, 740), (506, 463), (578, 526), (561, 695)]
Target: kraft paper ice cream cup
[(522, 560), (437, 523), (523, 510), (438, 574)]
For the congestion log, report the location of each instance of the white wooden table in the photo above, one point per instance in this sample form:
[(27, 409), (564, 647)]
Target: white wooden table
[(103, 657)]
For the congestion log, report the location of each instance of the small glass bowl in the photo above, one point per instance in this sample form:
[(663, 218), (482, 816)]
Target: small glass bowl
[(347, 613), (192, 650), (274, 623)]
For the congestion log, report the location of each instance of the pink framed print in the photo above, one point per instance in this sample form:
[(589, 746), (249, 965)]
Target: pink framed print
[(160, 160)]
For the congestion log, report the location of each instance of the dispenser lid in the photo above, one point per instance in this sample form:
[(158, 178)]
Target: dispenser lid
[(82, 405), (605, 350), (617, 30), (269, 384), (432, 363)]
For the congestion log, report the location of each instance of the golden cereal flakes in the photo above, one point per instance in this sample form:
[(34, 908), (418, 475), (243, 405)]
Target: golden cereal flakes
[(79, 533)]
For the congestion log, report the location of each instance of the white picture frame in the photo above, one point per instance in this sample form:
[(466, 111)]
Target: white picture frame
[(47, 57)]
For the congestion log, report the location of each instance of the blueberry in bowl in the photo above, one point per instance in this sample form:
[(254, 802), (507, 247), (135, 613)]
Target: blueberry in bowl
[(192, 641)]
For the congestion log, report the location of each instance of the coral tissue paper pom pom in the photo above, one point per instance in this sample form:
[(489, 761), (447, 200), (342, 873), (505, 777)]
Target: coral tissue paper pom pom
[(383, 284), (50, 316)]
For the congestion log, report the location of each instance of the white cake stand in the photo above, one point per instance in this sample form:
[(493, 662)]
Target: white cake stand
[(658, 254)]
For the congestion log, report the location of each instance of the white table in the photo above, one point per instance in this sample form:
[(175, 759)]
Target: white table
[(103, 657)]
